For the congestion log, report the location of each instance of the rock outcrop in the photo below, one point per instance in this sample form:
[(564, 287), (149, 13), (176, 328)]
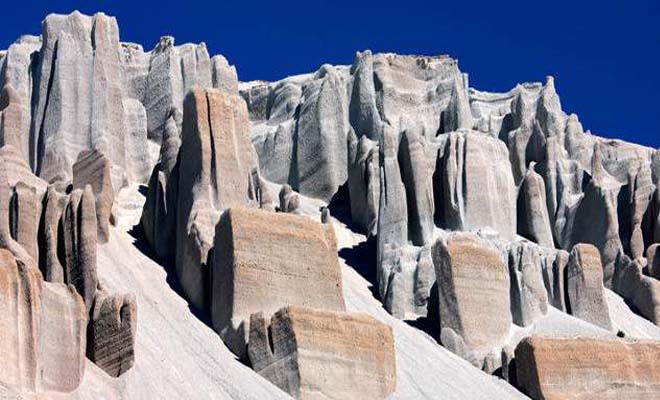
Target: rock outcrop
[(214, 171), (473, 292), (475, 185), (579, 368), (112, 329), (43, 338), (93, 168), (324, 354), (264, 261), (529, 296), (584, 286), (642, 291)]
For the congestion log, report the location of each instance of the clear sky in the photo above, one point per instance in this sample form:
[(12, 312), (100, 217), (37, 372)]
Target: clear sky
[(605, 55)]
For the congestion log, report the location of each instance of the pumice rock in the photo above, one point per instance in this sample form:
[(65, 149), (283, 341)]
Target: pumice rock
[(476, 185), (584, 286), (364, 182), (112, 329), (584, 366), (43, 339), (473, 291), (318, 353), (93, 168), (529, 298), (24, 218), (264, 261), (214, 172), (533, 219), (79, 244)]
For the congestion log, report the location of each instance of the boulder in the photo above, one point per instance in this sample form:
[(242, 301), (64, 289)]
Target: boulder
[(584, 286), (112, 328), (473, 291), (43, 336), (579, 368), (264, 261), (93, 168), (313, 354)]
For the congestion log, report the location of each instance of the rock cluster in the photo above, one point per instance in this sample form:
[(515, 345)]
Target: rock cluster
[(44, 330), (264, 261), (493, 215), (342, 355), (578, 368)]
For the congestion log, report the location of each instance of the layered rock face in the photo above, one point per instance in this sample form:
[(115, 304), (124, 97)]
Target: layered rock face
[(473, 292), (323, 354), (584, 286), (472, 200), (264, 261), (44, 325), (581, 368), (112, 333)]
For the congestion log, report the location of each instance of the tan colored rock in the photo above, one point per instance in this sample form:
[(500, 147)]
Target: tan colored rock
[(24, 218), (43, 330), (216, 160), (112, 331), (584, 286), (93, 168), (584, 368), (49, 262), (314, 354), (473, 291), (642, 291), (79, 244), (264, 261)]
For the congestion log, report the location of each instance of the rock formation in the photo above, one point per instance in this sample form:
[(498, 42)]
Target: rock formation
[(475, 185), (264, 261), (43, 339), (464, 206), (473, 292), (529, 296), (318, 353), (112, 329), (93, 168), (583, 367), (584, 286)]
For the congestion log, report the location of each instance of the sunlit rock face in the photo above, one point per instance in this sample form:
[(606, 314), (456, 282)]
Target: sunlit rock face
[(163, 227)]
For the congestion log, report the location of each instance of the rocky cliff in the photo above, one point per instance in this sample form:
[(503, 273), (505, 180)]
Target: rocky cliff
[(429, 239)]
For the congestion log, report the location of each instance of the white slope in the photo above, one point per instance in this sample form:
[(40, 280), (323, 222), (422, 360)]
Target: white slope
[(177, 355), (425, 370)]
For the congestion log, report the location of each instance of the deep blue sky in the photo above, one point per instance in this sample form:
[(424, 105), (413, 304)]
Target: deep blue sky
[(604, 55)]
